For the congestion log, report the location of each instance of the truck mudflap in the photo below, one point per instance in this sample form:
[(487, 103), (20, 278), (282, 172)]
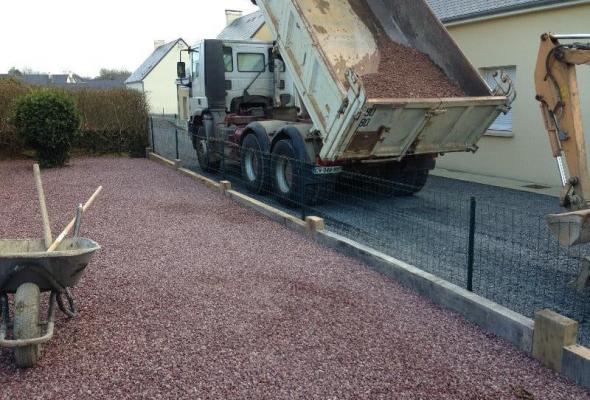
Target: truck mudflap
[(398, 127)]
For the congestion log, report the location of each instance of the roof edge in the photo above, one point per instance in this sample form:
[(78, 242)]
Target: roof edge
[(127, 81), (510, 10)]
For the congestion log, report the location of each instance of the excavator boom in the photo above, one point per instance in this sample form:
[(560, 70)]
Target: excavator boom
[(557, 91)]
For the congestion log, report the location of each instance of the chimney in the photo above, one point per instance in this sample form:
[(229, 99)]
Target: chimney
[(158, 43), (231, 16)]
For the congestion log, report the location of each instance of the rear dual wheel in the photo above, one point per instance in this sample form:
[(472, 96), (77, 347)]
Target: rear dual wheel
[(253, 164), (287, 176), (291, 177)]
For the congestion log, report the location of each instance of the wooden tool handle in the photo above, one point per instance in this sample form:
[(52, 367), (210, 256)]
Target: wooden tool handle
[(47, 237), (69, 227)]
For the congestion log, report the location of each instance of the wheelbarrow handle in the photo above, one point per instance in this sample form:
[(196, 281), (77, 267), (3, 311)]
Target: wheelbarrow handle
[(42, 204)]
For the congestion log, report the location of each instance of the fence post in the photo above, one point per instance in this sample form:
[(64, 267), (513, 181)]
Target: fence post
[(153, 137), (223, 159), (176, 142), (302, 186), (471, 250)]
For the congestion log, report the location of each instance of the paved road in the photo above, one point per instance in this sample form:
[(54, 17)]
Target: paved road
[(194, 296)]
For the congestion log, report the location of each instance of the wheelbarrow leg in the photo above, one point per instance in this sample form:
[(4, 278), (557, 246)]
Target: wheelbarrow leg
[(26, 324)]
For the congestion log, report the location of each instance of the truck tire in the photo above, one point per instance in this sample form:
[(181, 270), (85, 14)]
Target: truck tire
[(209, 161), (253, 165), (285, 171), (26, 324), (409, 183)]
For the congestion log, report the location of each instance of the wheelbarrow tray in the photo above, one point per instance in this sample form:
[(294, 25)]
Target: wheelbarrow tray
[(23, 261)]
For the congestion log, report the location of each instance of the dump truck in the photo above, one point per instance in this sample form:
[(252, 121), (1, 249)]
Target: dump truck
[(373, 86)]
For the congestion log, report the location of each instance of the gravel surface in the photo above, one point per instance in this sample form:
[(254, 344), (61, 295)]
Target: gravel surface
[(403, 71), (193, 296), (518, 263)]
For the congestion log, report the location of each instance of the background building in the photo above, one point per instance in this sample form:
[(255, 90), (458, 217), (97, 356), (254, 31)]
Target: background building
[(156, 77)]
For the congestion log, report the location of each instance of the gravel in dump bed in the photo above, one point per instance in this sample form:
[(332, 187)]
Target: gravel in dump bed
[(403, 72), (406, 73), (194, 296)]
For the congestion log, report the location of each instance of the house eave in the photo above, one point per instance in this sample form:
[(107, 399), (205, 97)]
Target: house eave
[(510, 11)]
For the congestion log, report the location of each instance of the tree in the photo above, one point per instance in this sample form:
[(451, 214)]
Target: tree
[(14, 72), (107, 74)]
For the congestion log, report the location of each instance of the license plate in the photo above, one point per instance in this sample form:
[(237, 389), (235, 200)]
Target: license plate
[(326, 170)]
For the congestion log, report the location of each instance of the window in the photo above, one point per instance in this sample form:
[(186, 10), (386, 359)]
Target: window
[(503, 125), (228, 59), (251, 62), (195, 59)]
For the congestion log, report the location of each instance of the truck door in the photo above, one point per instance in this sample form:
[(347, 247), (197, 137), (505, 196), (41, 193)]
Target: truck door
[(198, 101)]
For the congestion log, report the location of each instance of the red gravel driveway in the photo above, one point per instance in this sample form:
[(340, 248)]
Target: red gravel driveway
[(194, 297)]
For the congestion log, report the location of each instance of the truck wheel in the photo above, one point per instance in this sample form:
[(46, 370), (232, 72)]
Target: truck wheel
[(253, 160), (26, 324), (208, 160), (285, 171), (409, 183)]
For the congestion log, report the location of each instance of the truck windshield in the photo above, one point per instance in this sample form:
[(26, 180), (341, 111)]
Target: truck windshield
[(195, 60)]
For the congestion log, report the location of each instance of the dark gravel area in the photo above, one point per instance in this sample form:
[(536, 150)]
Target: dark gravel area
[(193, 296)]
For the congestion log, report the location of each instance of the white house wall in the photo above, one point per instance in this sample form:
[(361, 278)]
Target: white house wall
[(160, 85), (509, 41)]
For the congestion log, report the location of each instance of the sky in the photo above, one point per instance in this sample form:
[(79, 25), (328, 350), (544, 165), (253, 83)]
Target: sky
[(83, 36)]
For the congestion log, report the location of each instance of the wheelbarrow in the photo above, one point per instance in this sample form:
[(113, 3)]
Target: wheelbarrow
[(30, 267), (26, 270)]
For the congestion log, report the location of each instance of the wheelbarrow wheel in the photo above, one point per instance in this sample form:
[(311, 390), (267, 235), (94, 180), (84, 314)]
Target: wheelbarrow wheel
[(26, 324)]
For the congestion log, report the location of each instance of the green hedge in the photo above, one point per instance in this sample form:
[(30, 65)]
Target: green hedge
[(10, 90), (49, 122), (113, 120)]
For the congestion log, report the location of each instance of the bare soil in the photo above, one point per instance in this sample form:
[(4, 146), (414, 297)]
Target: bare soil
[(193, 296)]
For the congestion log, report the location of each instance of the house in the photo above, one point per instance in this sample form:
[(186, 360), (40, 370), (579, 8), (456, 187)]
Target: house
[(62, 80), (156, 77), (498, 34), (249, 26), (506, 34)]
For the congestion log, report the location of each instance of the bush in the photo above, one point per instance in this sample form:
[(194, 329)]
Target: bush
[(48, 121), (10, 90), (112, 120)]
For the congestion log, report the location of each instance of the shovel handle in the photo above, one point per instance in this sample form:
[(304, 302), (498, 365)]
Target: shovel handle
[(48, 238), (69, 227)]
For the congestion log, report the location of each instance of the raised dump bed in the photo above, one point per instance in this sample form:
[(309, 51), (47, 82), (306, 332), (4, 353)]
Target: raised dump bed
[(381, 79)]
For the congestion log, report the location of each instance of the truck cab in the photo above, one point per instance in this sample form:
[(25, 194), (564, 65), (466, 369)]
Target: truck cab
[(248, 81)]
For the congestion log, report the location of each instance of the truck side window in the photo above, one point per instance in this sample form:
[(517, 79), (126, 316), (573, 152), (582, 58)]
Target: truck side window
[(228, 59), (195, 57), (251, 62)]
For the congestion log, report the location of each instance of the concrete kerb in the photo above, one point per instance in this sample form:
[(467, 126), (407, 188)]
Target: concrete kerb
[(494, 318), (161, 160), (576, 364)]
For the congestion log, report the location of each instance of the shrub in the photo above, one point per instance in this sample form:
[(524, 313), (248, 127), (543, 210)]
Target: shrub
[(48, 121), (113, 121), (10, 90)]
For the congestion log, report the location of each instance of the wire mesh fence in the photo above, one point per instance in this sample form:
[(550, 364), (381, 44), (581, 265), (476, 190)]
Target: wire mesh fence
[(484, 241)]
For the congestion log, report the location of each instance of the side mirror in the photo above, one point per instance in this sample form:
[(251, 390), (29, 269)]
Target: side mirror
[(181, 70)]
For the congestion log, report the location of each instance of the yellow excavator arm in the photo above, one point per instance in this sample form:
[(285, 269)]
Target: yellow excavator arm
[(557, 91)]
